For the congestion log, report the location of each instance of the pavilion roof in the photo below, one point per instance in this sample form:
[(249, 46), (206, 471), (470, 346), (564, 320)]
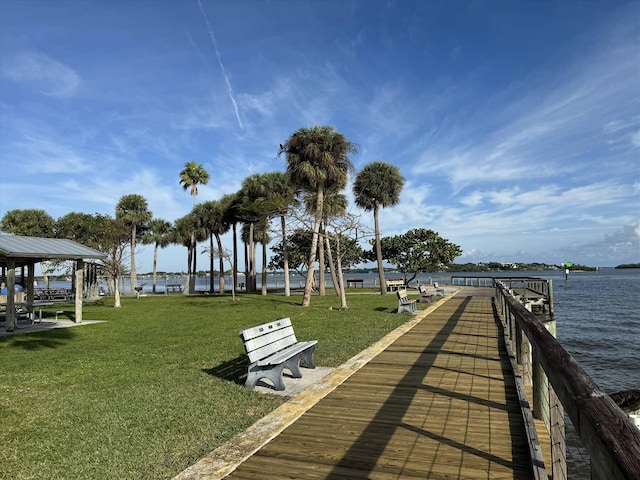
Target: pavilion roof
[(29, 249)]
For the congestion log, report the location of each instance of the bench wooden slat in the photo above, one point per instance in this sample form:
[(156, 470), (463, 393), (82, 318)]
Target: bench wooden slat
[(270, 349), (259, 342), (286, 354), (249, 333)]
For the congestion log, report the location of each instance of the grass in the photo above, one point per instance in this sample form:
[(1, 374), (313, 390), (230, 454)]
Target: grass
[(158, 384)]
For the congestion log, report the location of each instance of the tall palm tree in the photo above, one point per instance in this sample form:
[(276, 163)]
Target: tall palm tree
[(191, 176), (159, 234), (378, 185), (317, 160), (133, 210)]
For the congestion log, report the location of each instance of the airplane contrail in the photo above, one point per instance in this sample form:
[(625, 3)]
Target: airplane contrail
[(224, 73)]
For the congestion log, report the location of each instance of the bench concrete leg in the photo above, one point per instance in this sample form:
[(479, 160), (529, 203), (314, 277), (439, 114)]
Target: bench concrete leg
[(407, 307), (307, 356), (273, 373)]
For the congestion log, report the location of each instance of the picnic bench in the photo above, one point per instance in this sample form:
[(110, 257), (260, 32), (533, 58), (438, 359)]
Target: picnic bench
[(174, 288), (272, 347), (395, 284), (353, 282), (404, 304)]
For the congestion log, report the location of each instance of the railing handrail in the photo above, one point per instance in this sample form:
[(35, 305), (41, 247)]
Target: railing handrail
[(608, 434)]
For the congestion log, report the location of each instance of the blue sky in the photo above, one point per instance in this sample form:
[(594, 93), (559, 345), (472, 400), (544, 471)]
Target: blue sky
[(516, 124)]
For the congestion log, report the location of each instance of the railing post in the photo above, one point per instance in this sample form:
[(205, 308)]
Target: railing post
[(547, 407)]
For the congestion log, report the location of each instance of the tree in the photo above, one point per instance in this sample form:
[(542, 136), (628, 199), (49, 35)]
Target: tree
[(378, 185), (158, 234), (335, 205), (30, 222), (418, 250), (279, 196), (298, 243), (317, 160), (231, 204), (112, 238), (134, 212), (212, 218), (191, 176)]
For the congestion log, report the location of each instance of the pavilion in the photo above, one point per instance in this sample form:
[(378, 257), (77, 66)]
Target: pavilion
[(19, 251)]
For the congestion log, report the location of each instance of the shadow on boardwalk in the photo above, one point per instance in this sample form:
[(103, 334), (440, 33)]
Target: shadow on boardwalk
[(438, 402)]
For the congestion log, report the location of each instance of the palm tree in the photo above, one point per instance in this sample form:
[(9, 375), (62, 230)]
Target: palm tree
[(193, 175), (159, 234), (317, 160), (133, 211), (212, 217), (378, 185)]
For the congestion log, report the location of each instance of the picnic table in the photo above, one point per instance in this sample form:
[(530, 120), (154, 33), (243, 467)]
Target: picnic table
[(29, 309)]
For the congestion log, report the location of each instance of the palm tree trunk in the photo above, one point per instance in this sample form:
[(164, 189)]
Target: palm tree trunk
[(264, 268), (251, 280), (383, 286), (332, 268), (343, 296), (211, 262), (285, 256), (321, 262), (155, 267), (134, 280), (234, 270), (306, 298), (221, 266)]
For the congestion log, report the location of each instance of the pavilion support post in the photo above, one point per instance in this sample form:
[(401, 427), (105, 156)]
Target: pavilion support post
[(11, 291), (78, 292), (30, 279)]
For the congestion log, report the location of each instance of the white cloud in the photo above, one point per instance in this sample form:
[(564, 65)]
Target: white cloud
[(41, 72)]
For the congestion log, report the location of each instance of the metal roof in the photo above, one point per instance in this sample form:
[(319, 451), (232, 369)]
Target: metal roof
[(23, 249)]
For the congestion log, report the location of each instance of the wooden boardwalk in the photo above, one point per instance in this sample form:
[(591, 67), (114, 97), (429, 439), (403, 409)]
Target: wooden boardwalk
[(440, 403)]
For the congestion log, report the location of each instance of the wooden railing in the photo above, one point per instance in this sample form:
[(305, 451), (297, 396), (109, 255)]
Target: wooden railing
[(559, 384)]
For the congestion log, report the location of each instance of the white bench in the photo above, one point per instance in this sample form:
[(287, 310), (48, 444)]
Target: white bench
[(272, 347), (404, 304)]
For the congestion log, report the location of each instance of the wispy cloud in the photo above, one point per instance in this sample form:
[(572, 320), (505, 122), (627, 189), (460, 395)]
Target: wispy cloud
[(222, 69), (41, 72)]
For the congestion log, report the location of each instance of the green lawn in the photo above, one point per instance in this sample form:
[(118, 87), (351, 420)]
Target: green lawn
[(158, 384)]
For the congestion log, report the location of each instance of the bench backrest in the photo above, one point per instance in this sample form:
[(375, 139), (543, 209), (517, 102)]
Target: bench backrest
[(402, 295), (268, 338)]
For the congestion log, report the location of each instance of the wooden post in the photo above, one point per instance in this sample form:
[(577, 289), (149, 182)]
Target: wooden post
[(557, 435), (79, 285), (11, 291)]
